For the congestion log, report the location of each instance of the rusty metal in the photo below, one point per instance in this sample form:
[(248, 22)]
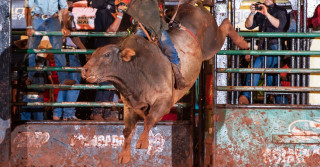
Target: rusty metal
[(82, 104), (87, 143), (221, 52), (68, 69), (5, 59), (280, 34), (76, 86), (268, 106), (267, 137), (268, 88), (268, 52), (268, 70), (75, 33), (270, 134)]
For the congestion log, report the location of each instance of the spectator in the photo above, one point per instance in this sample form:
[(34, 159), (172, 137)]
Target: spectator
[(105, 21), (36, 95), (270, 18), (43, 16), (68, 113), (314, 21), (51, 95)]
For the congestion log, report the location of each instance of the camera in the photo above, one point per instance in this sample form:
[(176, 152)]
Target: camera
[(120, 4), (257, 7)]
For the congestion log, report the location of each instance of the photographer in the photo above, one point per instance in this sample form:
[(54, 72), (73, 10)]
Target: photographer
[(108, 19), (270, 18)]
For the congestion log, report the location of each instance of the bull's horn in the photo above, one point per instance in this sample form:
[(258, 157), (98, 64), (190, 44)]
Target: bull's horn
[(126, 54)]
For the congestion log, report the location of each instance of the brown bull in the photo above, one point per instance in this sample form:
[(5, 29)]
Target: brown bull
[(143, 74)]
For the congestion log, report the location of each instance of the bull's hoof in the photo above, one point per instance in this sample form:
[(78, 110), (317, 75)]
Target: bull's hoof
[(142, 144), (124, 157)]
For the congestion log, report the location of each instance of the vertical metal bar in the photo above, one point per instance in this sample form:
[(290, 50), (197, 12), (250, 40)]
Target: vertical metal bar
[(232, 78), (292, 66), (298, 47), (305, 6), (237, 75), (278, 59), (233, 13), (304, 59), (251, 65), (265, 74), (278, 74), (200, 128), (232, 46), (308, 64), (214, 105), (5, 61)]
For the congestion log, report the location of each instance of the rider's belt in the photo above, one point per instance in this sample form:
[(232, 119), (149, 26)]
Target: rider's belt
[(34, 95), (44, 17), (70, 47)]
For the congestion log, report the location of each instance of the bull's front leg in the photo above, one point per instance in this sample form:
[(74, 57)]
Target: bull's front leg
[(130, 121), (157, 111)]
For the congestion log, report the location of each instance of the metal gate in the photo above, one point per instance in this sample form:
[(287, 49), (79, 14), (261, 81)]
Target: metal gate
[(263, 133)]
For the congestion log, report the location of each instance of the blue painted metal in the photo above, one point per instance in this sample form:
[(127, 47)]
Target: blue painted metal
[(267, 137), (98, 144)]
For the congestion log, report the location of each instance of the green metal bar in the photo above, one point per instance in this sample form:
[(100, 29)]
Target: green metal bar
[(124, 33), (68, 69), (279, 34), (56, 51), (268, 52), (76, 86), (268, 88), (81, 104), (221, 52), (221, 70), (70, 104), (268, 70), (78, 34)]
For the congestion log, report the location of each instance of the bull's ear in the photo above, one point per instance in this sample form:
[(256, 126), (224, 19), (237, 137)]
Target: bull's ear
[(126, 54)]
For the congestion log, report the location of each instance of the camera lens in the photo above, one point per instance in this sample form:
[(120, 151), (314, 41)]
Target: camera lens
[(257, 7)]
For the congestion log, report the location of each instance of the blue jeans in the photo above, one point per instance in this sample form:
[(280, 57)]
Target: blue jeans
[(104, 96), (51, 24), (69, 95), (35, 113), (272, 62), (166, 45)]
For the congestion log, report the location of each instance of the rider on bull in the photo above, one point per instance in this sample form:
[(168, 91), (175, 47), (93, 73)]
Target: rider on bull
[(147, 13)]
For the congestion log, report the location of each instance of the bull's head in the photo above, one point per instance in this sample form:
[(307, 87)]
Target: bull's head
[(106, 64)]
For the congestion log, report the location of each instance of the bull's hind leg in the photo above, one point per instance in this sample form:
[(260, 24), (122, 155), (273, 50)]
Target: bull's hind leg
[(157, 111), (226, 28), (130, 121)]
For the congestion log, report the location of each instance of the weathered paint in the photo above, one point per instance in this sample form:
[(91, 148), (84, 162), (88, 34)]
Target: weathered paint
[(267, 137), (5, 30), (98, 144), (221, 52), (269, 88), (269, 70), (77, 34)]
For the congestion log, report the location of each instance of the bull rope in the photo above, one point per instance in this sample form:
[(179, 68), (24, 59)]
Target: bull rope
[(185, 28), (175, 14)]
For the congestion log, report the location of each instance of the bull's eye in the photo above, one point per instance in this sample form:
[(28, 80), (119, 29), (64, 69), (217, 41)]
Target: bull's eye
[(107, 54)]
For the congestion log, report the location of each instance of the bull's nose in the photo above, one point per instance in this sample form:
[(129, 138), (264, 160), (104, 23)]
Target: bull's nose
[(84, 71)]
